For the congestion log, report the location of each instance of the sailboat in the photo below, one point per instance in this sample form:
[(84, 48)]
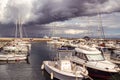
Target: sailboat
[(16, 49), (55, 42), (18, 45)]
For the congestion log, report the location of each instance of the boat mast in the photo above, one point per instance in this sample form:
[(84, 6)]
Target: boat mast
[(89, 32), (16, 34), (20, 28), (53, 30), (100, 27)]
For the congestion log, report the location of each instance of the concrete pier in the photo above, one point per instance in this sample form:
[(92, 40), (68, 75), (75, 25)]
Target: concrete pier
[(25, 39)]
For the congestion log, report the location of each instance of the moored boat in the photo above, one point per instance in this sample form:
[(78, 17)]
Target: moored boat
[(64, 69), (12, 56), (95, 62), (115, 57)]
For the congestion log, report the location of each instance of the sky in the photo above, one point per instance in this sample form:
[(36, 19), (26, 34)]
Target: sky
[(63, 18)]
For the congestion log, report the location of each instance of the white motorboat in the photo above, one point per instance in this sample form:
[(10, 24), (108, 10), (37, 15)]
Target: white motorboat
[(11, 56), (57, 42), (70, 43), (115, 56), (20, 42), (95, 62), (64, 69), (112, 55), (16, 48)]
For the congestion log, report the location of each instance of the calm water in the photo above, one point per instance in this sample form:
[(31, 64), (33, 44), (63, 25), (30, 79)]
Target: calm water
[(24, 71), (32, 71)]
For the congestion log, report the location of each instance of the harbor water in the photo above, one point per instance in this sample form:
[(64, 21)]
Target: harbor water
[(32, 71)]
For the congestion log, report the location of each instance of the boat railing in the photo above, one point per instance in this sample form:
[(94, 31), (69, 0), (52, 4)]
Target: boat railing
[(87, 48)]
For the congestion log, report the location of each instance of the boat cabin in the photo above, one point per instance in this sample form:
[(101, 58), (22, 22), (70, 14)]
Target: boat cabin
[(89, 55), (115, 54), (105, 50), (64, 54), (65, 65)]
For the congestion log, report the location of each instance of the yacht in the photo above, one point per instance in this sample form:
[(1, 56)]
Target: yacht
[(112, 55), (64, 69), (95, 62)]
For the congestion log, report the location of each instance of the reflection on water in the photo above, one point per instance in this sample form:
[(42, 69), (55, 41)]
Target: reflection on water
[(32, 71)]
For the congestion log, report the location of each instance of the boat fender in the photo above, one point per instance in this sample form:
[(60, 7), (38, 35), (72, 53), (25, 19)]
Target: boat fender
[(7, 60), (77, 73), (117, 68), (85, 72), (42, 67), (51, 75), (17, 60)]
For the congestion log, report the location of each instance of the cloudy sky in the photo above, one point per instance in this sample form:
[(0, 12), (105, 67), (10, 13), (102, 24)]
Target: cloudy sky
[(67, 18)]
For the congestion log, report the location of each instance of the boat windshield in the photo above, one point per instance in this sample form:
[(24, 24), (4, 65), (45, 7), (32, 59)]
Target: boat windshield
[(65, 55), (95, 57)]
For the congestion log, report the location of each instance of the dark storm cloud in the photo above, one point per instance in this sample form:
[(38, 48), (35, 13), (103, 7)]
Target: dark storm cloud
[(45, 11), (66, 9)]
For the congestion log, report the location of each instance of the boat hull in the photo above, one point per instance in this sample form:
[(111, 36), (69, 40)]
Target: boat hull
[(59, 75), (100, 74), (95, 72), (12, 57)]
